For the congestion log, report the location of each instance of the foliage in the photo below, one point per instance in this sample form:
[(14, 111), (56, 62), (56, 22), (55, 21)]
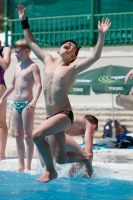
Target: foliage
[(2, 22)]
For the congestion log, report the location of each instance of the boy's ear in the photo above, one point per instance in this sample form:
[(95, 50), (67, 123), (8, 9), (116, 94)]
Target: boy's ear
[(94, 126), (73, 57), (58, 52)]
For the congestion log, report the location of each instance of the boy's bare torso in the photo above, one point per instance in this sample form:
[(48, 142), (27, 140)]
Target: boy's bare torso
[(56, 84), (78, 127), (24, 82)]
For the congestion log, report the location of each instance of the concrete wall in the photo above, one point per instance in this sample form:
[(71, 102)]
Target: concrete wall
[(120, 55)]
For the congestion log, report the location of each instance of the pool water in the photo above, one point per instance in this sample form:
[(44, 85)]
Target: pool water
[(22, 186)]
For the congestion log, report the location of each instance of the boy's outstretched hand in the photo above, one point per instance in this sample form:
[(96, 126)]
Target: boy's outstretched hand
[(21, 12), (129, 75), (104, 25)]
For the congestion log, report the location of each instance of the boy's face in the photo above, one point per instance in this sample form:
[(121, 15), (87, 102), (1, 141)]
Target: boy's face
[(69, 48), (21, 54)]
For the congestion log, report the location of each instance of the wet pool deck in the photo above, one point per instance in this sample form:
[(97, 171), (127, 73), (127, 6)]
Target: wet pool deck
[(117, 159)]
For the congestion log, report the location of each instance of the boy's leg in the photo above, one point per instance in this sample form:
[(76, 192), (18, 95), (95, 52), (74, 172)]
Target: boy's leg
[(19, 134), (3, 130), (52, 126), (73, 149), (28, 119), (71, 145), (56, 126)]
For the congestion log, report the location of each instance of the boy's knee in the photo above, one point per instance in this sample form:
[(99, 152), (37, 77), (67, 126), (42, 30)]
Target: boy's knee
[(2, 123), (27, 137), (60, 160), (17, 135), (36, 135)]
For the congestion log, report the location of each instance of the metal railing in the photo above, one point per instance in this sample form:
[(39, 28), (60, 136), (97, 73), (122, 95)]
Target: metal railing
[(51, 31), (121, 30)]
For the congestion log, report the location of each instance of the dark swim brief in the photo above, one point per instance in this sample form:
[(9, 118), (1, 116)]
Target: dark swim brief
[(69, 113)]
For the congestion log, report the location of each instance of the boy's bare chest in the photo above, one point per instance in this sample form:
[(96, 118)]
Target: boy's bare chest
[(23, 74), (56, 76)]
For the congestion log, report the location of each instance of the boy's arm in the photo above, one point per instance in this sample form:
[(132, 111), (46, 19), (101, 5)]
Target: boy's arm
[(42, 55), (87, 62), (88, 137), (37, 79), (6, 59), (8, 91)]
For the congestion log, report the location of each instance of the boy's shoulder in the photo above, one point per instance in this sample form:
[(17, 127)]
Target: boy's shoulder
[(79, 119), (34, 65)]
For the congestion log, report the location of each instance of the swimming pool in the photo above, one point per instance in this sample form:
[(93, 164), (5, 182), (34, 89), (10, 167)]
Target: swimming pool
[(22, 186), (107, 183)]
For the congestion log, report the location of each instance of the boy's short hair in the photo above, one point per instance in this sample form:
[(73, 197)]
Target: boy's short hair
[(21, 44), (77, 47), (0, 42), (92, 120)]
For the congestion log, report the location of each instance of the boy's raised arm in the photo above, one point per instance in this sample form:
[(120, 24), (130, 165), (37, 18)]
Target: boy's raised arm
[(28, 35), (87, 62)]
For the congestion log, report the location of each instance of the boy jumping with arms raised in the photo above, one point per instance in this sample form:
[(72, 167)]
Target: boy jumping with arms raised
[(59, 75), (26, 74)]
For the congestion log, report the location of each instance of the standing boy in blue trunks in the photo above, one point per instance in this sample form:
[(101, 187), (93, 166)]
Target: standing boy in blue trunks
[(25, 76), (59, 75)]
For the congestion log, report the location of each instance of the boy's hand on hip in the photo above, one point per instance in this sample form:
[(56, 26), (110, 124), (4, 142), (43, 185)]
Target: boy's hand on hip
[(31, 106)]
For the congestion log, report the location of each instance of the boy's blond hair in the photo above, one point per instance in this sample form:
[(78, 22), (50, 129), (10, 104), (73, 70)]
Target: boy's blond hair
[(21, 44)]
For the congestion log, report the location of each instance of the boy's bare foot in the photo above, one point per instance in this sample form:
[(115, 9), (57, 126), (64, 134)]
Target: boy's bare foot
[(48, 176), (20, 169), (27, 170), (75, 168)]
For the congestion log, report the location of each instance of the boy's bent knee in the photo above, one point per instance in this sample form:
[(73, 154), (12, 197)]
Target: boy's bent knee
[(60, 160), (36, 136), (27, 137)]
